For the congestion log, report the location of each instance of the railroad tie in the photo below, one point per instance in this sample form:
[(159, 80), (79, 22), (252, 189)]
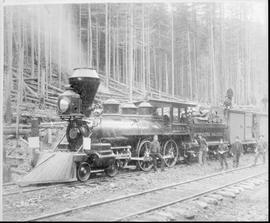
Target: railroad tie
[(215, 196), (226, 194), (167, 215), (247, 186), (175, 211), (257, 182), (201, 204), (148, 217), (234, 190), (250, 183), (238, 188), (209, 200), (189, 214)]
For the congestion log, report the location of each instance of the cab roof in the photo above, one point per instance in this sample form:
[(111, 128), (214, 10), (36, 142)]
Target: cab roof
[(168, 103)]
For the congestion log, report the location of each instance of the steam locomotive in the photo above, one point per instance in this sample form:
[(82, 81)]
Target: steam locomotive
[(120, 134)]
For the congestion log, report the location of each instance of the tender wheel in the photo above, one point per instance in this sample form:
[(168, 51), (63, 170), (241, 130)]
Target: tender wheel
[(170, 149), (144, 152), (112, 170), (83, 171)]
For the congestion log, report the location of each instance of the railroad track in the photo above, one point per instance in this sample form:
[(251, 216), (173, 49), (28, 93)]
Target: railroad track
[(132, 205), (14, 189)]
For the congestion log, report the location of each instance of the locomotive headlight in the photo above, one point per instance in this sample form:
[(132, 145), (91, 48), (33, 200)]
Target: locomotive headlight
[(64, 104), (73, 133)]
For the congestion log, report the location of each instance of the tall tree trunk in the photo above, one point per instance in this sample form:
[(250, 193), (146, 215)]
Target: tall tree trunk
[(39, 62), (113, 52), (195, 89), (60, 49), (126, 51), (224, 78), (148, 54), (32, 49), (90, 40), (97, 46), (45, 58), (106, 46), (166, 73), (131, 53), (109, 42), (182, 73), (8, 113), (189, 67), (143, 58), (80, 34), (50, 55), (172, 49), (117, 48), (213, 70), (20, 72)]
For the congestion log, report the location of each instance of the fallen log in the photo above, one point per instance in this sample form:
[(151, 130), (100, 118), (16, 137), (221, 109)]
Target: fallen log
[(13, 131)]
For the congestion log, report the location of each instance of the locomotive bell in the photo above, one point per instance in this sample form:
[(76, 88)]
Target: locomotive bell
[(85, 82)]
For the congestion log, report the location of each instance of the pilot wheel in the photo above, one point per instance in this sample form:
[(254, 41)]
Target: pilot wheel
[(113, 169), (83, 171)]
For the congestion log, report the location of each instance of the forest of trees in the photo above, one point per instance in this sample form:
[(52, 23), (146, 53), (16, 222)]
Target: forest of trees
[(193, 51)]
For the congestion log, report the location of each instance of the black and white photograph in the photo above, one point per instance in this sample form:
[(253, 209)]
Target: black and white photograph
[(125, 110)]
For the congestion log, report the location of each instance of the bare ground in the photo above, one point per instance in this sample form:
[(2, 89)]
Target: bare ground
[(249, 205), (57, 198)]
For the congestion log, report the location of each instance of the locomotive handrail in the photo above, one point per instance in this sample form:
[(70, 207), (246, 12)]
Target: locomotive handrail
[(121, 147)]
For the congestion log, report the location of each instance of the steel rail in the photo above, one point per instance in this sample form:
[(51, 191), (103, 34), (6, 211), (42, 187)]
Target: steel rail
[(132, 195), (72, 183), (24, 191), (76, 182), (188, 197)]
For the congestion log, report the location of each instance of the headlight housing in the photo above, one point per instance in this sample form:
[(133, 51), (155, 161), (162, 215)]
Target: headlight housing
[(64, 104)]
